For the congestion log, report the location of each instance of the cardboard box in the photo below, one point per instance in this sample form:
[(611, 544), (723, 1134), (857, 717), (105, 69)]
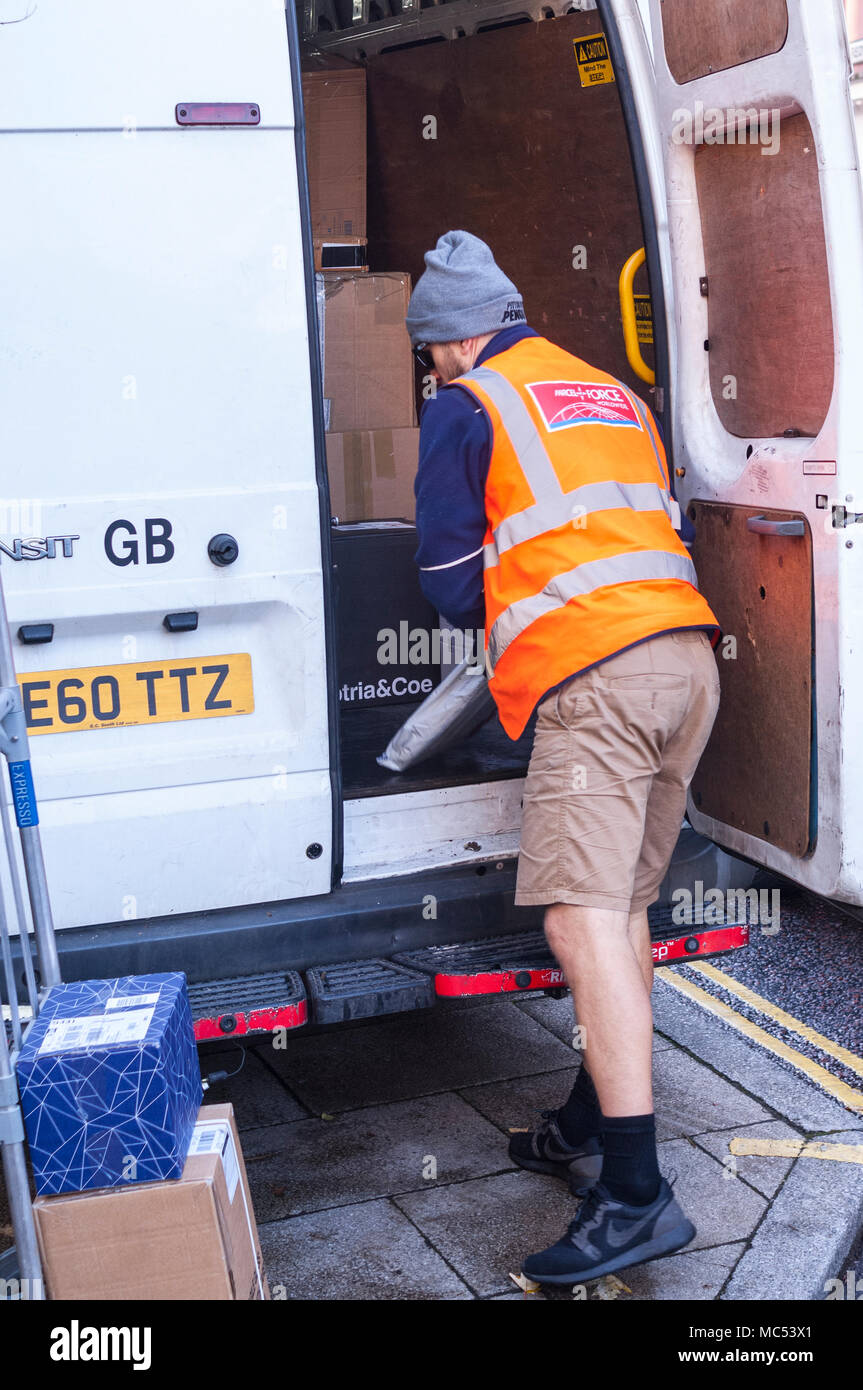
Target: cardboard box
[(334, 97), (110, 1083), (369, 367), (372, 474), (193, 1238)]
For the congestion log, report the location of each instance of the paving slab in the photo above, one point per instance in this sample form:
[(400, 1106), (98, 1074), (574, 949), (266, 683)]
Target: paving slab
[(721, 1208), (690, 1098), (764, 1174), (376, 1152), (416, 1054), (690, 1275), (516, 1103), (810, 1227), (369, 1252), (486, 1228), (782, 1091), (259, 1096), (557, 1016)]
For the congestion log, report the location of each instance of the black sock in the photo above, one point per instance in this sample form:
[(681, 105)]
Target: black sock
[(580, 1116), (630, 1168)]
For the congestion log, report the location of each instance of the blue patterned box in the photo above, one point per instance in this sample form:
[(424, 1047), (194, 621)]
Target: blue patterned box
[(110, 1083)]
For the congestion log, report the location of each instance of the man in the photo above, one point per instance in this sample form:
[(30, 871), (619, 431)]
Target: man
[(544, 515)]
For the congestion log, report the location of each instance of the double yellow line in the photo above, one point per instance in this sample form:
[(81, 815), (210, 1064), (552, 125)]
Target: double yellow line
[(847, 1095)]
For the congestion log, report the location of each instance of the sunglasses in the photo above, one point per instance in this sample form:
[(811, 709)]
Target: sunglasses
[(422, 353)]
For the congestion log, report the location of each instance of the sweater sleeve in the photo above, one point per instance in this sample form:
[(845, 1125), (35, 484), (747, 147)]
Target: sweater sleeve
[(454, 456)]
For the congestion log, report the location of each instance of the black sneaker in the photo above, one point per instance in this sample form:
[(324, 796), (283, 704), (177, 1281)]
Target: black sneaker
[(544, 1150), (608, 1235)]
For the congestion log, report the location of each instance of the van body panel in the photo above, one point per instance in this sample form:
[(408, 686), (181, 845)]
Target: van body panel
[(97, 65)]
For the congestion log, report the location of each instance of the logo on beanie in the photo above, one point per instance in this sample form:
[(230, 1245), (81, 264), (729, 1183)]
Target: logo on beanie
[(513, 313), (565, 403)]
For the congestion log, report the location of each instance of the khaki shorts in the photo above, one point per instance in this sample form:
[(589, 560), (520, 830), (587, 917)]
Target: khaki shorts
[(614, 751)]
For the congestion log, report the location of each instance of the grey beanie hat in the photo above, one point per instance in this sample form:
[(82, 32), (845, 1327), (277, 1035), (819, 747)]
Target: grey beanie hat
[(462, 293)]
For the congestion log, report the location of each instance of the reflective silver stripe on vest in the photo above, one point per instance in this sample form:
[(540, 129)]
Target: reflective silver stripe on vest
[(640, 411), (552, 506), (571, 507), (532, 455), (628, 568)]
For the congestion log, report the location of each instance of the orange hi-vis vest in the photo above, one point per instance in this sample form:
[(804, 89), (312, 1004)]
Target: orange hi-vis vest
[(581, 558)]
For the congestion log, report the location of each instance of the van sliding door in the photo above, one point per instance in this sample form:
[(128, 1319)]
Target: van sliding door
[(157, 412), (745, 121)]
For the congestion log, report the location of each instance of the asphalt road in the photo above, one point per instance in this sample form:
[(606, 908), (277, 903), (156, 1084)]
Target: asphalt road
[(812, 968)]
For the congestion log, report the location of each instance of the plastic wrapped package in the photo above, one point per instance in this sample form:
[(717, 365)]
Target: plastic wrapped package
[(451, 713)]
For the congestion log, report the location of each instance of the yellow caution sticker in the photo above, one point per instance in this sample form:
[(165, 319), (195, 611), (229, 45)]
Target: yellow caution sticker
[(594, 63), (644, 317)]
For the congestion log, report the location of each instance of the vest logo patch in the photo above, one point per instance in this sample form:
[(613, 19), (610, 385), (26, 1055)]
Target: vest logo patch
[(565, 403)]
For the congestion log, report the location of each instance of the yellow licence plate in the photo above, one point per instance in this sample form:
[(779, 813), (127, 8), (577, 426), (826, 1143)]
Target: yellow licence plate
[(149, 692)]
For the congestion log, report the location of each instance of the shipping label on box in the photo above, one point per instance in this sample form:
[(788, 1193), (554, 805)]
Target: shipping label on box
[(110, 1082), (191, 1238), (369, 366)]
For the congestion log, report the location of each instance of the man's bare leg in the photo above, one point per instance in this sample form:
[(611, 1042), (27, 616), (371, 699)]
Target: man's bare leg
[(605, 956), (639, 935)]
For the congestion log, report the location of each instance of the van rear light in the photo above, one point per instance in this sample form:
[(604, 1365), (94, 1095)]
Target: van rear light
[(217, 113)]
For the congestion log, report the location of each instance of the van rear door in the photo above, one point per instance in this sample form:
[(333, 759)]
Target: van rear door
[(745, 126), (157, 408)]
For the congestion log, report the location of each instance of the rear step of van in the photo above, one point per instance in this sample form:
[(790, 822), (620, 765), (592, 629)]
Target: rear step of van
[(413, 979), (248, 1004), (504, 964)]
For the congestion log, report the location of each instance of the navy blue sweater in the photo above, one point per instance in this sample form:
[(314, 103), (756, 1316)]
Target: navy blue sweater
[(454, 458)]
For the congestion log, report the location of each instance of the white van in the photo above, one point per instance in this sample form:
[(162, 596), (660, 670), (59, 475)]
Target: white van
[(166, 540)]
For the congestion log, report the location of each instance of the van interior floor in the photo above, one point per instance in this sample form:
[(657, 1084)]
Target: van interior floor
[(489, 755)]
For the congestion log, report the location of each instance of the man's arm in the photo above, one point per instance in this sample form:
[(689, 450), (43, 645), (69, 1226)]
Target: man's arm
[(454, 455)]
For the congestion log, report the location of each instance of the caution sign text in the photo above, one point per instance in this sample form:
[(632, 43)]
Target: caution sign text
[(644, 317), (594, 64)]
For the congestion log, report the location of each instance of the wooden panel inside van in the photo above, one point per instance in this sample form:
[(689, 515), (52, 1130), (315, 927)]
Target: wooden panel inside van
[(704, 36), (769, 311), (495, 134), (754, 774)]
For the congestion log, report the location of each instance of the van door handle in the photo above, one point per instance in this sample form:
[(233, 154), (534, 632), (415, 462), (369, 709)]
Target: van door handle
[(630, 323), (762, 527)]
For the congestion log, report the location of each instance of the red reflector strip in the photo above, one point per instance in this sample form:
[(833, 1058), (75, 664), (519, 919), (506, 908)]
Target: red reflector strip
[(670, 948), (217, 113), (498, 982), (709, 943), (256, 1021)]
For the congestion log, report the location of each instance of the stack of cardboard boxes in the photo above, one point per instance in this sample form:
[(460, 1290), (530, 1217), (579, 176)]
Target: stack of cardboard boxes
[(369, 389), (142, 1191)]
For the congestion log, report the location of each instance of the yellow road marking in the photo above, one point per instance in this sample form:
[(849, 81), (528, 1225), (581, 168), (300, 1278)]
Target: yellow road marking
[(797, 1148), (840, 1090), (795, 1025)]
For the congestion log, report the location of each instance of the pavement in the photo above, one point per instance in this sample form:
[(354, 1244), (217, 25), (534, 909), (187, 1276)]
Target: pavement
[(377, 1157), (377, 1152)]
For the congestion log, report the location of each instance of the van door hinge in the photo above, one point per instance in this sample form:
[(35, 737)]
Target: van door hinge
[(842, 517)]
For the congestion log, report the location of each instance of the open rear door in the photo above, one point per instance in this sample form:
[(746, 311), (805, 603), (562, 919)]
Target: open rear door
[(162, 555), (742, 118)]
